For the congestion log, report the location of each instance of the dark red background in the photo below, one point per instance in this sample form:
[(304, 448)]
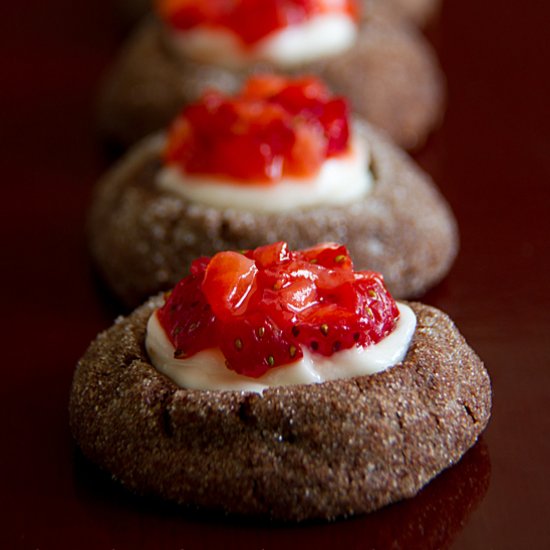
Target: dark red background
[(491, 158)]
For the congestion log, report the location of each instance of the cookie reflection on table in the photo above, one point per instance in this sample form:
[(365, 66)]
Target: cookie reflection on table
[(431, 520)]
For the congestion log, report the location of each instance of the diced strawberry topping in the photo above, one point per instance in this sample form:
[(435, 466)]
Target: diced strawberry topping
[(249, 20), (263, 306), (275, 128)]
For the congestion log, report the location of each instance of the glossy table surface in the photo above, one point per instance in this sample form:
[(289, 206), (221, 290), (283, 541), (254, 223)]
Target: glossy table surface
[(491, 158)]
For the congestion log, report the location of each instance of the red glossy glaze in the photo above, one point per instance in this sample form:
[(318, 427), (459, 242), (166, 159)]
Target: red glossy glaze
[(274, 128), (250, 20), (262, 306)]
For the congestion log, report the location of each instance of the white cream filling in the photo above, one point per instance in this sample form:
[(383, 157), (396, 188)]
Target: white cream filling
[(206, 370), (341, 180), (323, 35)]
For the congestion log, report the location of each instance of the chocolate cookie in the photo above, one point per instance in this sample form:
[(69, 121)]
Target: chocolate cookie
[(390, 76), (143, 239), (417, 11), (292, 453)]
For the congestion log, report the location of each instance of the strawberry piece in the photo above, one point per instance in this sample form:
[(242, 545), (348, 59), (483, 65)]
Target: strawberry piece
[(275, 128), (261, 307), (199, 265), (286, 304), (253, 20), (308, 151), (334, 119), (228, 283), (254, 344), (375, 305), (328, 328), (269, 255), (310, 99), (263, 86), (187, 318), (330, 255), (186, 14), (306, 95)]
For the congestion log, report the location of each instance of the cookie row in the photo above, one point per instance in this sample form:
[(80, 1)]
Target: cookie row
[(267, 316)]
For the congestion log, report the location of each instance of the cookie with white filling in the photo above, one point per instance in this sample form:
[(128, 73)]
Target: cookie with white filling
[(155, 213), (291, 452), (419, 12)]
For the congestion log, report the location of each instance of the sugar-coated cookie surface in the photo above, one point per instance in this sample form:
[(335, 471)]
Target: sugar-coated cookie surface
[(292, 453), (143, 239), (390, 75), (417, 11)]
